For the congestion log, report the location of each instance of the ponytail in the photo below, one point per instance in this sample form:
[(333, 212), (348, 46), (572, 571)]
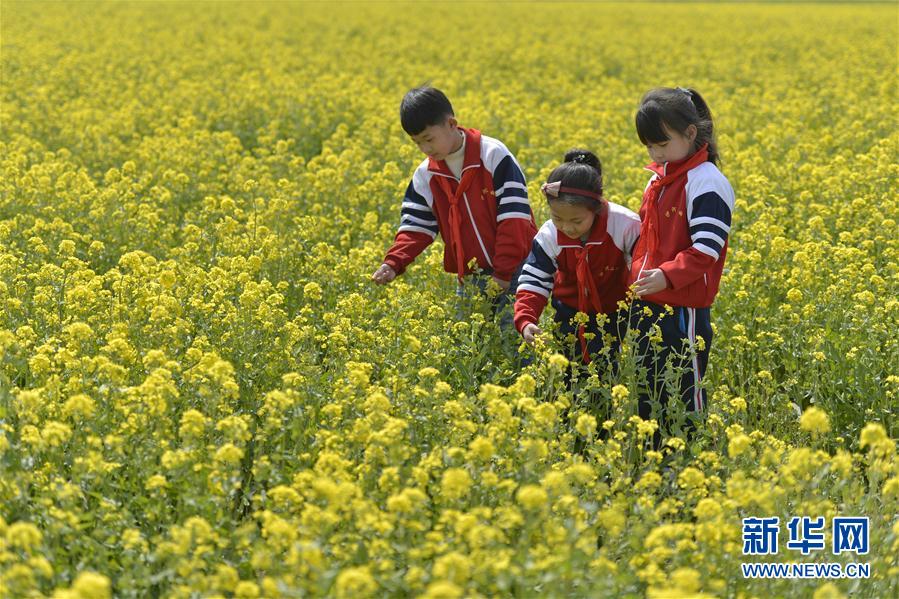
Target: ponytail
[(705, 128)]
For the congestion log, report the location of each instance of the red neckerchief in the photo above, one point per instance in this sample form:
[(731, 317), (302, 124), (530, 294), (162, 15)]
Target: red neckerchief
[(455, 214), (472, 158), (469, 175), (587, 294), (652, 193)]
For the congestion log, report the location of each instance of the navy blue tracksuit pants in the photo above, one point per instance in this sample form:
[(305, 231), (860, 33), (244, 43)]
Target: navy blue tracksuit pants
[(679, 332)]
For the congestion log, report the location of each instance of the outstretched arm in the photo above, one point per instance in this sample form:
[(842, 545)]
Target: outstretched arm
[(514, 223), (536, 281), (418, 229)]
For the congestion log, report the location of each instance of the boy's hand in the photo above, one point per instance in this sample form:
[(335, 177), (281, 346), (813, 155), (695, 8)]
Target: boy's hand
[(383, 275), (503, 284), (652, 281), (530, 332)]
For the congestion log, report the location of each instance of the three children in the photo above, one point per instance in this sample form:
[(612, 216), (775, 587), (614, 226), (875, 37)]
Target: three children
[(472, 191)]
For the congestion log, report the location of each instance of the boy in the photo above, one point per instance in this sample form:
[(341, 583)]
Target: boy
[(470, 189)]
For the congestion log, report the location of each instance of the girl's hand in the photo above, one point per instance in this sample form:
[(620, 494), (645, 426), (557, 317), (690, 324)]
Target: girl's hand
[(652, 281), (501, 283), (383, 275), (530, 332)]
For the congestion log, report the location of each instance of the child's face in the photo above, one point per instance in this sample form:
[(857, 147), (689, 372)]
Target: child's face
[(571, 219), (439, 141), (677, 147)]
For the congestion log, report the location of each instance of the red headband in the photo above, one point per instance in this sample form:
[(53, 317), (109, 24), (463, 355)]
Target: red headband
[(554, 189)]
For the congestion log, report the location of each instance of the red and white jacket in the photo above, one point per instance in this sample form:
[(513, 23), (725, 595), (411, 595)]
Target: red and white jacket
[(693, 212), (485, 214), (589, 276)]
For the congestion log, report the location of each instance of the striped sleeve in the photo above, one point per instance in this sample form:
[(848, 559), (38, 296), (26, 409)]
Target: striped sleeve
[(540, 267), (535, 283), (418, 225), (416, 214), (514, 222), (710, 202), (509, 183), (511, 191)]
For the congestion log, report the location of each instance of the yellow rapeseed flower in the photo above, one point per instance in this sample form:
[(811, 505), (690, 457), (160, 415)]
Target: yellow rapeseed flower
[(455, 483), (814, 420), (531, 496)]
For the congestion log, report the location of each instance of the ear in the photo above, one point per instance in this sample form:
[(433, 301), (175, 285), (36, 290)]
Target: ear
[(452, 122), (691, 133)]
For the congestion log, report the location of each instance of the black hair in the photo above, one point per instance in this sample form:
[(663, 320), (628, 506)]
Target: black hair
[(422, 107), (581, 170), (677, 109)]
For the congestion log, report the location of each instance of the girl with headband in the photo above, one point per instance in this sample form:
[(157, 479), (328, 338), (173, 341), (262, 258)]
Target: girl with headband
[(580, 258)]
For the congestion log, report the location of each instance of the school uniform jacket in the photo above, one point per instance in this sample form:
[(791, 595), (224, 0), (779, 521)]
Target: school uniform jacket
[(552, 267), (494, 223), (694, 218)]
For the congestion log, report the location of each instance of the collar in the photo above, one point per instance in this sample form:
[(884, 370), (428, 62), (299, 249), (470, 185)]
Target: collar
[(672, 165), (472, 154)]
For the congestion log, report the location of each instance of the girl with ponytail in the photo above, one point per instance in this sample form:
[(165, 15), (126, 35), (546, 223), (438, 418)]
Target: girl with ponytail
[(678, 260)]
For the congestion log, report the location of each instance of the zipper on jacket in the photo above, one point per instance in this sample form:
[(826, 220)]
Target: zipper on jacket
[(471, 217), (646, 256), (476, 232), (586, 259)]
